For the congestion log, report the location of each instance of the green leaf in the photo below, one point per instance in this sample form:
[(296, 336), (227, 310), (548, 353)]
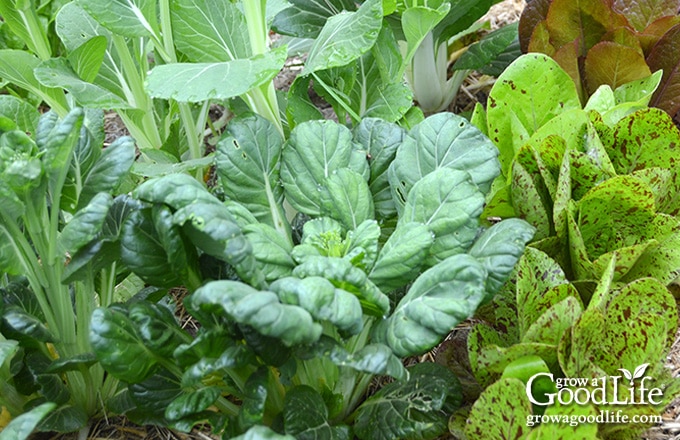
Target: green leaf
[(500, 412), (499, 248), (438, 300), (347, 198), (157, 327), (343, 275), (109, 170), (26, 325), (258, 309), (143, 251), (74, 363), (416, 408), (86, 223), (118, 347), (313, 152), (24, 114), (323, 301), (21, 427), (306, 18), (532, 90), (89, 57), (56, 73), (306, 417), (402, 257), (64, 419), (345, 37), (192, 403), (211, 228), (198, 82), (209, 32), (449, 203), (130, 18), (417, 22), (248, 162), (380, 139), (483, 52), (17, 67), (161, 169), (362, 244), (175, 190), (443, 141), (271, 250)]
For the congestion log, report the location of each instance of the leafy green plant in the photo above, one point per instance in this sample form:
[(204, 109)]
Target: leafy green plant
[(51, 186), (381, 262), (412, 42), (600, 186), (608, 42), (542, 321)]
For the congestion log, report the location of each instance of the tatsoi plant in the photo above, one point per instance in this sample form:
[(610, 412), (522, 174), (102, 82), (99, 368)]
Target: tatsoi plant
[(49, 185), (382, 261), (608, 42), (617, 341), (412, 42)]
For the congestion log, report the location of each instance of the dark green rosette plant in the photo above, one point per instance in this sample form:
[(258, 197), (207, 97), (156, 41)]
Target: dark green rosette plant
[(56, 196), (385, 256), (589, 298)]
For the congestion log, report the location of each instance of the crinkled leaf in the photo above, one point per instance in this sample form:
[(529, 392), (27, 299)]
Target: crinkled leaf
[(440, 298), (314, 150), (443, 140), (174, 190), (323, 301), (499, 248), (271, 250), (306, 417), (448, 203), (347, 198), (483, 52), (345, 37), (192, 403), (248, 161), (118, 347), (258, 309), (343, 275), (380, 139), (24, 114), (362, 244), (402, 257), (157, 327), (154, 394), (416, 408), (198, 82)]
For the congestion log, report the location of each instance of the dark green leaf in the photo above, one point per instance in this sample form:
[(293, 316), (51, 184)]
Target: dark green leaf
[(306, 417), (190, 403), (306, 18), (23, 425)]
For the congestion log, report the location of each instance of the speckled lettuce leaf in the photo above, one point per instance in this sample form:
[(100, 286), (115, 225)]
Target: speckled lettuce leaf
[(500, 412), (438, 300)]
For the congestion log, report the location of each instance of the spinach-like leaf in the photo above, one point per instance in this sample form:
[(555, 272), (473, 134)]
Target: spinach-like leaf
[(271, 250), (323, 301), (261, 310), (247, 162), (22, 426), (416, 408), (347, 198), (306, 18), (445, 141), (448, 203), (306, 417), (440, 298)]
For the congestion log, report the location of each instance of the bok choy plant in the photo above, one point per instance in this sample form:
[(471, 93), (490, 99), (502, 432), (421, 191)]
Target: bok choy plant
[(385, 256), (50, 185)]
